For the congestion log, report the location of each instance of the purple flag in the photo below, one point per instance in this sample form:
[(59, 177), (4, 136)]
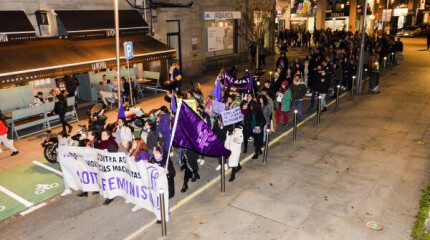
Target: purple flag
[(217, 91), (191, 132), (121, 112), (173, 102), (240, 83)]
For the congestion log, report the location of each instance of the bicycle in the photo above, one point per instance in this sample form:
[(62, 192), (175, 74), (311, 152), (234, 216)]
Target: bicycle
[(40, 188)]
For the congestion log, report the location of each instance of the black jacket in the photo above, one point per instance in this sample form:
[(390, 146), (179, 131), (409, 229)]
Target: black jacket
[(323, 85), (298, 91), (61, 105)]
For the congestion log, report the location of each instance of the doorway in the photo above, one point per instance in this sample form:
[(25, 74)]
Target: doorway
[(174, 40)]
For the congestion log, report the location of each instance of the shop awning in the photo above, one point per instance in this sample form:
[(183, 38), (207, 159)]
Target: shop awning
[(14, 25), (45, 58), (87, 21)]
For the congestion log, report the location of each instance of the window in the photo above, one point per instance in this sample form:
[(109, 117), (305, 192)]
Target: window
[(220, 37)]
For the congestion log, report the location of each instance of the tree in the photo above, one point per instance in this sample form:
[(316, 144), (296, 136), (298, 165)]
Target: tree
[(258, 15)]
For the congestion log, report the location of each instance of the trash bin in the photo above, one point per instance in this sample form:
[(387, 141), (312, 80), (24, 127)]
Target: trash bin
[(374, 82)]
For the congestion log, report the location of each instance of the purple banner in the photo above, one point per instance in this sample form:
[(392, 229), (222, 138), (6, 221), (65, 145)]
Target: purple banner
[(193, 133), (240, 83)]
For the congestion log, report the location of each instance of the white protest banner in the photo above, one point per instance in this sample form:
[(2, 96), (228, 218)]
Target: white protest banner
[(232, 116), (218, 107), (114, 174)]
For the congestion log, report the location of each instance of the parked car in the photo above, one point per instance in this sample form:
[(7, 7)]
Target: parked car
[(410, 31)]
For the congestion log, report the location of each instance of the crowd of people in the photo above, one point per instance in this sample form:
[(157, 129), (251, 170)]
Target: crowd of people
[(332, 60)]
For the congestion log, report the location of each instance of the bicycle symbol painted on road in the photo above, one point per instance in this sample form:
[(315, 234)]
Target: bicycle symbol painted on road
[(40, 188), (2, 208)]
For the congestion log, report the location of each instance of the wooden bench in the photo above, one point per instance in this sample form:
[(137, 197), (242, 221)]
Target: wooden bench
[(71, 113), (154, 83), (28, 118), (105, 88)]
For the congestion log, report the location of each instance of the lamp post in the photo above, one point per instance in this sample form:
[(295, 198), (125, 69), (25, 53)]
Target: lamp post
[(118, 68), (361, 60)]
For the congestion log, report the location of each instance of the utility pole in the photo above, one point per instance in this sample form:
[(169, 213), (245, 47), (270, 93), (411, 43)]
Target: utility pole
[(363, 41), (118, 67)]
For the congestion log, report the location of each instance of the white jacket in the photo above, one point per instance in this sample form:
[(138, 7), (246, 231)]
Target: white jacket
[(233, 143)]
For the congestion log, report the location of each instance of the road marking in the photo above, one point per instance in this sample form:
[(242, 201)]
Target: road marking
[(48, 168), (216, 179), (16, 197), (31, 209)]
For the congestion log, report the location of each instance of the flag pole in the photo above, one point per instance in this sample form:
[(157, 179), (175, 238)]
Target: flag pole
[(173, 131)]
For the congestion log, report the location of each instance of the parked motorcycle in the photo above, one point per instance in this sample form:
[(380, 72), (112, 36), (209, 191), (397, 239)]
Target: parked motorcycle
[(50, 144)]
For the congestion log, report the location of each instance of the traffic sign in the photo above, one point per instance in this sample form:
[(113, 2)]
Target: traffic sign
[(128, 50)]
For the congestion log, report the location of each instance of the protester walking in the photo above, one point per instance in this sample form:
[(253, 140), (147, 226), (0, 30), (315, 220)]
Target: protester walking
[(255, 118), (109, 145), (191, 167), (233, 143), (283, 102)]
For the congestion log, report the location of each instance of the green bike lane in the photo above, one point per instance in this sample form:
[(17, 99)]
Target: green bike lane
[(24, 188)]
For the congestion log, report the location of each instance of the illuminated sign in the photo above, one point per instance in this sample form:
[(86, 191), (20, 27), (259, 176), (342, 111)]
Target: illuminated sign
[(3, 38), (400, 12)]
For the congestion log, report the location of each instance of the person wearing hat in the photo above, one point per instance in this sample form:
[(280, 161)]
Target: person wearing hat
[(283, 99), (3, 135)]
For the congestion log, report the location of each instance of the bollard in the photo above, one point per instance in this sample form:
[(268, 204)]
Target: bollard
[(163, 214), (337, 97), (319, 110), (383, 69), (392, 60), (222, 174), (266, 148), (295, 125), (352, 87)]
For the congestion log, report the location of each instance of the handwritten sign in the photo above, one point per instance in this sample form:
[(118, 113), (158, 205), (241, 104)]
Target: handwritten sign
[(232, 116), (218, 107)]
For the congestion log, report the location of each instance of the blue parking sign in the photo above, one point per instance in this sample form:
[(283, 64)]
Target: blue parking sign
[(128, 50)]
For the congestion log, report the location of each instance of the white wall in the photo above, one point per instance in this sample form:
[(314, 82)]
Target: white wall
[(31, 6)]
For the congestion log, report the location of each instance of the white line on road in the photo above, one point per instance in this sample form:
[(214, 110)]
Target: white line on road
[(31, 209), (16, 197), (48, 168)]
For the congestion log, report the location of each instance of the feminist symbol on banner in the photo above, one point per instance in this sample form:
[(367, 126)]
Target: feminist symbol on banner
[(204, 136)]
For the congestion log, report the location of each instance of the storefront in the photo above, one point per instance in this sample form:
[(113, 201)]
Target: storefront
[(303, 13), (221, 33), (337, 21), (85, 52)]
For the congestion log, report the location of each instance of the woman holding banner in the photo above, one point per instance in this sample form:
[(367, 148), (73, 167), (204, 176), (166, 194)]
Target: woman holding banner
[(139, 151), (109, 145), (233, 143), (160, 158)]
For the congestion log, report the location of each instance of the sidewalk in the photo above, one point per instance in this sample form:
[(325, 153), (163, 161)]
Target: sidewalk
[(360, 164)]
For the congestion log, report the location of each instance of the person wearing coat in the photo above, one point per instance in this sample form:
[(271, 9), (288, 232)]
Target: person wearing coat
[(233, 142), (322, 88), (256, 120), (298, 91), (3, 135), (60, 108), (191, 167), (164, 127), (283, 101)]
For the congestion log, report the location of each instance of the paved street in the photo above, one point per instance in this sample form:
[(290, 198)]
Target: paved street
[(360, 164)]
